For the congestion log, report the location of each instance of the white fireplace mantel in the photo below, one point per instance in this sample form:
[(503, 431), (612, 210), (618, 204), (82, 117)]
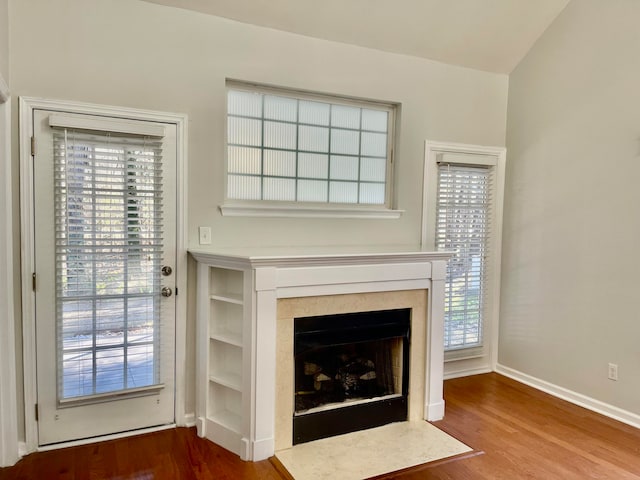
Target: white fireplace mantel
[(238, 291)]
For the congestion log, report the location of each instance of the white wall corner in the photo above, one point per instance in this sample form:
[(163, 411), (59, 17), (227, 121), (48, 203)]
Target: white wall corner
[(576, 398), (9, 449)]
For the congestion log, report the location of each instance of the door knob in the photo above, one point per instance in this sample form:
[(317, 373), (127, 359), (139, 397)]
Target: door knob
[(166, 292), (166, 270)]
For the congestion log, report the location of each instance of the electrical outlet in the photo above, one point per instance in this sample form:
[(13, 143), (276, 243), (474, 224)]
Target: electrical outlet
[(205, 235), (613, 371)]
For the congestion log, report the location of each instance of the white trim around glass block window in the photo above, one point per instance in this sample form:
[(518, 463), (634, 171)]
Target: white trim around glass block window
[(292, 153)]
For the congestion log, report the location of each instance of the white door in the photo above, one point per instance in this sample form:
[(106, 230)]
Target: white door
[(105, 251)]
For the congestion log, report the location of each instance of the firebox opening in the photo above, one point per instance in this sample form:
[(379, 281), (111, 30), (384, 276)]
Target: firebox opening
[(351, 372)]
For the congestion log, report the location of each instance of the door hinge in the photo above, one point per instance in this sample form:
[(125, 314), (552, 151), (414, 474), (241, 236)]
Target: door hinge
[(33, 281), (37, 414), (33, 146), (392, 152)]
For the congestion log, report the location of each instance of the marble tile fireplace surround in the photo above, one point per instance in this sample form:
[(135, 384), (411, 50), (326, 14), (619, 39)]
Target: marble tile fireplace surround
[(248, 301)]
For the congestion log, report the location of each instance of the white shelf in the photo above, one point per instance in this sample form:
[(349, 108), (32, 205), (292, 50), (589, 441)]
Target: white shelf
[(227, 379), (234, 298), (228, 338)]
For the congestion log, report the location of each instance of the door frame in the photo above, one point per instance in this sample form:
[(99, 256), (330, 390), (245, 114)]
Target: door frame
[(26, 107)]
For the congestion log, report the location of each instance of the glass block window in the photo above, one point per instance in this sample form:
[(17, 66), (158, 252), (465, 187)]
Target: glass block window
[(291, 147)]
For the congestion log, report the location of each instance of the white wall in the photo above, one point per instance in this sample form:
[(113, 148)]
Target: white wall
[(570, 263), (142, 55), (136, 54), (4, 39)]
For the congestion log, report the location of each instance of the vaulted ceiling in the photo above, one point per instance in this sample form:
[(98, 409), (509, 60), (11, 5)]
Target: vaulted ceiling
[(491, 35)]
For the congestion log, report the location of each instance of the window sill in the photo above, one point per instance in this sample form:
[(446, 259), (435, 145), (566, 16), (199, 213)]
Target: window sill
[(255, 210), (467, 353), (109, 396)]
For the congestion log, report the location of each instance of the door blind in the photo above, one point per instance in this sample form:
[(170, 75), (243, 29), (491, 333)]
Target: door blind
[(108, 253), (464, 211)]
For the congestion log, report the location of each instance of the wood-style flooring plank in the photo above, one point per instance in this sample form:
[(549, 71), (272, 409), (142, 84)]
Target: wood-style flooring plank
[(519, 432), (525, 433)]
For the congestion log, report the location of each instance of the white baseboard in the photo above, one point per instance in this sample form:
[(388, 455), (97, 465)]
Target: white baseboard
[(104, 438), (262, 449), (22, 449), (200, 426), (189, 420), (434, 411), (579, 399), (466, 372)]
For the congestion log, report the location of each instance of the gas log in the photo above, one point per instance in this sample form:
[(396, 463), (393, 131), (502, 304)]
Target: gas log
[(335, 376)]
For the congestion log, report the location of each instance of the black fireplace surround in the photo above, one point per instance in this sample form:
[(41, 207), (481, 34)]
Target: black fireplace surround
[(344, 375)]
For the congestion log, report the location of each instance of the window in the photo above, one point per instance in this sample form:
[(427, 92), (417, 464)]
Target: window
[(463, 210), (463, 225), (293, 148), (108, 196)]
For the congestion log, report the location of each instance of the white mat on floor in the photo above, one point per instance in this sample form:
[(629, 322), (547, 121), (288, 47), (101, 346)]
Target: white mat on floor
[(365, 454)]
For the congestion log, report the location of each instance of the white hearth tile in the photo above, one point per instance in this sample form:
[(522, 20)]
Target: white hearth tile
[(367, 453)]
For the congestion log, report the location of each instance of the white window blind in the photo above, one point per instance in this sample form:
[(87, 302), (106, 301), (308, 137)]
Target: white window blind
[(108, 233), (464, 211), (292, 148)]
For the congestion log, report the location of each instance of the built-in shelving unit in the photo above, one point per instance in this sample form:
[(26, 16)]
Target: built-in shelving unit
[(222, 297)]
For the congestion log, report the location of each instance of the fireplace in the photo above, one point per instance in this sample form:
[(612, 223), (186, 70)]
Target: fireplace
[(351, 372), (248, 304), (410, 303)]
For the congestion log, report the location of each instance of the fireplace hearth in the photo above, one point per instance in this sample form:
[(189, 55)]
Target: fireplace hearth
[(351, 372)]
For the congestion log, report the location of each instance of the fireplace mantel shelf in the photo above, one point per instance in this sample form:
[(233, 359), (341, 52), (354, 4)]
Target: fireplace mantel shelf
[(236, 347), (307, 256)]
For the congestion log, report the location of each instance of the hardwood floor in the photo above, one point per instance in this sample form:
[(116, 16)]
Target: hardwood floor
[(525, 433), (520, 432)]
